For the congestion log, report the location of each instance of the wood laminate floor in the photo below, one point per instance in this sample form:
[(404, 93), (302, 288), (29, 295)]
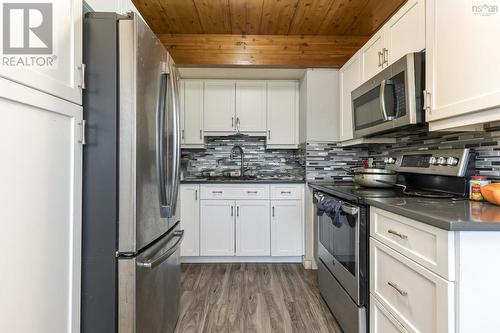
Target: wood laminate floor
[(250, 298)]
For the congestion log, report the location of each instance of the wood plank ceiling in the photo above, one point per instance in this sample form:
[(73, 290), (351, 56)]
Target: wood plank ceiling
[(278, 33)]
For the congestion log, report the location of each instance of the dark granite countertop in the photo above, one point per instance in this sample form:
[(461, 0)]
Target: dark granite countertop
[(447, 214), (241, 181)]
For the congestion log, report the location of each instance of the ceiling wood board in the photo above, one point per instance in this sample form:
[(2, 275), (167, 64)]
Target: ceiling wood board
[(262, 50), (299, 20)]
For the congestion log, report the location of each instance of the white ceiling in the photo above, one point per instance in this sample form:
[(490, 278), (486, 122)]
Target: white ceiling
[(241, 73)]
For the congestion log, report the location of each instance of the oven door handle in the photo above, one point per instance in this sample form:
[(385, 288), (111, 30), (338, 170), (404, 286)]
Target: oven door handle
[(349, 210)]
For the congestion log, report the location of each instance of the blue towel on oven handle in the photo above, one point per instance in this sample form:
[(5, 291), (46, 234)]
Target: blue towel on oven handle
[(332, 208)]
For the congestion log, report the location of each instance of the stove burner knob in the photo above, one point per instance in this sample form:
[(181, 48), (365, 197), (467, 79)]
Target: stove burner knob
[(433, 161), (452, 161), (441, 160)]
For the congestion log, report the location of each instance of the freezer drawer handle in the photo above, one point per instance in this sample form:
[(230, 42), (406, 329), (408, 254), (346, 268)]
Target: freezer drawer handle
[(152, 263)]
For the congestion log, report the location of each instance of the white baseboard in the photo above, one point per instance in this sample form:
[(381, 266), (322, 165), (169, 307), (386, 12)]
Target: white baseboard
[(195, 260)]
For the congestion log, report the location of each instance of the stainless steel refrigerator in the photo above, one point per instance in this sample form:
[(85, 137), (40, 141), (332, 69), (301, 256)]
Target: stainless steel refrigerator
[(131, 235)]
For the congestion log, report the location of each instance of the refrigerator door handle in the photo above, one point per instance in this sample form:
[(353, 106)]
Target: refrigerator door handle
[(160, 142), (176, 141), (154, 262)]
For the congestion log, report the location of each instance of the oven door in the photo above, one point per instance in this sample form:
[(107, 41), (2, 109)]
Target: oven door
[(339, 247)]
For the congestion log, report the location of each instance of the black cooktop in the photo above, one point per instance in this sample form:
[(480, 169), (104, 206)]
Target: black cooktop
[(356, 193)]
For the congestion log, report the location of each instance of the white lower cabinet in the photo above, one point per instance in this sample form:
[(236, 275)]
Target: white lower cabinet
[(429, 280), (252, 228), (190, 221), (417, 297), (286, 228), (217, 227), (254, 220), (381, 321)]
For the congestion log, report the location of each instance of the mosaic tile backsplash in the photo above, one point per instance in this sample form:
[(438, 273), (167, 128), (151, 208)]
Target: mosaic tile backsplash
[(325, 161), (272, 164)]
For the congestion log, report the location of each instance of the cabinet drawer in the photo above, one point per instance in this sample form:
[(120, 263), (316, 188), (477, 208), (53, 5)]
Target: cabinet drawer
[(234, 192), (419, 299), (381, 321), (286, 191), (431, 247)]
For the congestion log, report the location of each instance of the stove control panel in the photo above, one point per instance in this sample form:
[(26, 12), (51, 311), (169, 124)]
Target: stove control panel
[(449, 162)]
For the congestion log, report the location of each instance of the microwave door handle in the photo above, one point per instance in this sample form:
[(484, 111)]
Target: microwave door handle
[(382, 101)]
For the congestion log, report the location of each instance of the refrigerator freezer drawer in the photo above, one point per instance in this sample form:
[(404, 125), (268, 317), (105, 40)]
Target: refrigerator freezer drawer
[(149, 287)]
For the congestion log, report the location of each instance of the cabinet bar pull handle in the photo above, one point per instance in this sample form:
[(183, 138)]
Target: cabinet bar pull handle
[(397, 288), (196, 195), (232, 122), (394, 232), (252, 192), (269, 134), (286, 192), (232, 211), (217, 192), (379, 58), (386, 56), (201, 135), (273, 211), (237, 210), (183, 135)]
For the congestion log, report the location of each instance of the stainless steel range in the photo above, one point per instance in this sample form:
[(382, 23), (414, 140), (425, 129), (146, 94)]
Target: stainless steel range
[(343, 224)]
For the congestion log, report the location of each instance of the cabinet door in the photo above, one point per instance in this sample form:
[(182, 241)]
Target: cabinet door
[(190, 220), (251, 106), (252, 228), (219, 106), (286, 228), (350, 79), (462, 67), (56, 52), (372, 56), (193, 112), (282, 114), (405, 31), (217, 227), (41, 191)]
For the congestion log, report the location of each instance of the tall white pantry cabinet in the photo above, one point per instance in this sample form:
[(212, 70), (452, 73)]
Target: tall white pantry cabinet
[(41, 138)]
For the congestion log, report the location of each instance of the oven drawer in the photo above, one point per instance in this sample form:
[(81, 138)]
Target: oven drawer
[(431, 247), (381, 321), (234, 192), (286, 192), (419, 299)]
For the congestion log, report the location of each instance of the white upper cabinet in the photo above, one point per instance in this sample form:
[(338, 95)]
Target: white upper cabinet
[(253, 234), (57, 54), (462, 66), (350, 78), (282, 114), (319, 105), (372, 57), (251, 106), (191, 96), (219, 115), (405, 31)]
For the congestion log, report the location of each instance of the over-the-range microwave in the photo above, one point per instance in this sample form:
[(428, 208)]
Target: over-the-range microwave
[(391, 100)]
